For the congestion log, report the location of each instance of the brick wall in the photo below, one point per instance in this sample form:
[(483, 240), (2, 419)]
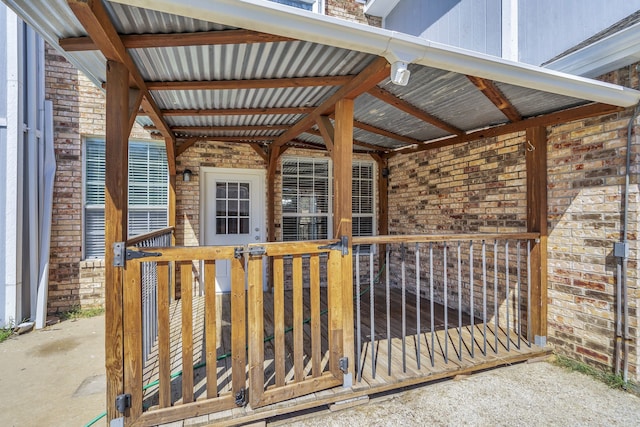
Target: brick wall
[(78, 111), (586, 165), (351, 10), (480, 187)]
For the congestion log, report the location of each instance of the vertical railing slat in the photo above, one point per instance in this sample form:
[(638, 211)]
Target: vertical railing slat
[(496, 312), (471, 306), (211, 327), (431, 307), (404, 309), (484, 298), (388, 307), (238, 325), (506, 264), (529, 338), (336, 319), (255, 339), (278, 319), (372, 314), (316, 337), (446, 305), (187, 331), (358, 318), (298, 318), (164, 335), (132, 300), (418, 304)]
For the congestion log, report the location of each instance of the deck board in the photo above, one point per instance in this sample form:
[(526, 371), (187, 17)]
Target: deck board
[(364, 384)]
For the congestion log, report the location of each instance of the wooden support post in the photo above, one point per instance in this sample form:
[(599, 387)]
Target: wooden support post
[(537, 222), (342, 177), (172, 223), (272, 166), (115, 214)]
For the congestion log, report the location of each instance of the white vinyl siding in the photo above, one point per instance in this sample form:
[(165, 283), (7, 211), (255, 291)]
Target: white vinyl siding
[(307, 199), (148, 192)]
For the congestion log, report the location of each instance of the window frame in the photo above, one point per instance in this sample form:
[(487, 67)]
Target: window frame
[(101, 207), (374, 188)]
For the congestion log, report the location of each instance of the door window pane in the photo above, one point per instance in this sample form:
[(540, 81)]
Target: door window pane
[(233, 206)]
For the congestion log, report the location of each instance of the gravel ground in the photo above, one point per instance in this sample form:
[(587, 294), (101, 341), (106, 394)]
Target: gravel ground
[(535, 394), (55, 377)]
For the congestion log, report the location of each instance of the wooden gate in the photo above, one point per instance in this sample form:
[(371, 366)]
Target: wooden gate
[(316, 378), (307, 268)]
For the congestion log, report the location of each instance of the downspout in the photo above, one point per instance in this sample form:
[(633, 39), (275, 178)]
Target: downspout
[(621, 250)]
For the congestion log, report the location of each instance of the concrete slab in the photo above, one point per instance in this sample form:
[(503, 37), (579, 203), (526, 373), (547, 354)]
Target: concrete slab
[(54, 376)]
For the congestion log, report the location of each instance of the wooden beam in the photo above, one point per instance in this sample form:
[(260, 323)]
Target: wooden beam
[(250, 83), (373, 147), (495, 95), (384, 132), (172, 223), (564, 116), (375, 72), (326, 130), (238, 111), (342, 213), (222, 128), (135, 100), (403, 105), (96, 22), (260, 150), (536, 162), (116, 184), (201, 38), (186, 144)]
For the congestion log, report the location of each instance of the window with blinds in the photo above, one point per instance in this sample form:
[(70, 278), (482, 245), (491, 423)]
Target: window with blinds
[(362, 199), (305, 199), (307, 204), (148, 192), (312, 5)]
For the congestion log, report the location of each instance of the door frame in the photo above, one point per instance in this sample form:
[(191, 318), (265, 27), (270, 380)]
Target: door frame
[(239, 172)]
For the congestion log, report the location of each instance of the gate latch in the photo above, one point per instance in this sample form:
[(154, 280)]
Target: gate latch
[(343, 364), (342, 245), (251, 251), (241, 397), (123, 402)]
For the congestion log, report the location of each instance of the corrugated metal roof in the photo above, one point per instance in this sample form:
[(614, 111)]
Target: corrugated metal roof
[(446, 95)]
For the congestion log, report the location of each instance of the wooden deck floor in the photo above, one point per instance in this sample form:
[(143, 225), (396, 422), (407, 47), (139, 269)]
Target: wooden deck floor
[(418, 358)]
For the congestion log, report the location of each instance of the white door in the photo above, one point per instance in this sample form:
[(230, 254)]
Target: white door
[(233, 212)]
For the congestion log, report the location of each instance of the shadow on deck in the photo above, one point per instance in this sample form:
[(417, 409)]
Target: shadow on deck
[(405, 351)]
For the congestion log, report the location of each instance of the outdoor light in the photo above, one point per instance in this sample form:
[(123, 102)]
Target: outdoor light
[(186, 175), (400, 73)]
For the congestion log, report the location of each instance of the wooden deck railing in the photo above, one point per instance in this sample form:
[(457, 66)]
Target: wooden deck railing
[(477, 285), (260, 348), (205, 342), (149, 278)]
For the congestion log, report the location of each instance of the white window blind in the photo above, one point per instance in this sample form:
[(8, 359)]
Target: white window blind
[(312, 5), (148, 194), (363, 199), (305, 199)]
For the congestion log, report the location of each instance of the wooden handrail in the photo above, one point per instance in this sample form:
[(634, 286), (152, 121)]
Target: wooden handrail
[(420, 238), (150, 235)]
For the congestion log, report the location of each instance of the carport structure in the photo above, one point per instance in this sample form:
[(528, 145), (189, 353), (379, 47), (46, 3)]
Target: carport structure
[(256, 73)]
